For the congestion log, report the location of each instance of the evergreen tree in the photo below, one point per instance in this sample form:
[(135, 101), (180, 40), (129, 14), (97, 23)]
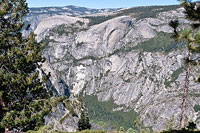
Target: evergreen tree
[(23, 99), (84, 122), (192, 37)]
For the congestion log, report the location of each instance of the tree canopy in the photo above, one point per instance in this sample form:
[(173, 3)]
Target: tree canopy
[(23, 97), (192, 37)]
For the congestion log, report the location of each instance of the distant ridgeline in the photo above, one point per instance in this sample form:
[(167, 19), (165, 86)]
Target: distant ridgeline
[(67, 10)]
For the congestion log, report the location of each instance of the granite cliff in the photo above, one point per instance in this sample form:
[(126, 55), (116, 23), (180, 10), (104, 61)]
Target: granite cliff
[(127, 56)]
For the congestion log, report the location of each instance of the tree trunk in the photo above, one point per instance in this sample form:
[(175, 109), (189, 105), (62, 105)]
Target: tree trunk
[(183, 109)]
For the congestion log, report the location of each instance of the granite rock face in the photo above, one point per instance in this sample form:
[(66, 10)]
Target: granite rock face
[(108, 60), (36, 15), (65, 116), (105, 36)]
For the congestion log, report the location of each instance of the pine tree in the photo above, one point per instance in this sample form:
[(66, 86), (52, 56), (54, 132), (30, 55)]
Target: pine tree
[(192, 38), (23, 99), (84, 122)]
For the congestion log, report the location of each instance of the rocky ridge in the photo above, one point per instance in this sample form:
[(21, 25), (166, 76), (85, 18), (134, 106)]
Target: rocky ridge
[(65, 116), (113, 60), (36, 15)]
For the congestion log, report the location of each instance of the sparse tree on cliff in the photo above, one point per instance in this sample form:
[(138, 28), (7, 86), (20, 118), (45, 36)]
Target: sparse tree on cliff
[(23, 102), (192, 37), (84, 122)]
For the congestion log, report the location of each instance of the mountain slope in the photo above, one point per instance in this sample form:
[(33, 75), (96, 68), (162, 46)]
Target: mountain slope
[(36, 15), (67, 10), (128, 57)]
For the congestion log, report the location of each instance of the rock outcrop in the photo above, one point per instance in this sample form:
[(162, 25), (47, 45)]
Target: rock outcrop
[(65, 116), (113, 60), (36, 15)]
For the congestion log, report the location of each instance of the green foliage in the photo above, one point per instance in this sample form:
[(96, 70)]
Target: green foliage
[(162, 42), (140, 127), (99, 19), (174, 76), (68, 29), (42, 129), (190, 128), (196, 108), (62, 30), (80, 23), (46, 129), (121, 129), (174, 24), (91, 131), (76, 61), (147, 11), (192, 10), (131, 130), (101, 112), (79, 44), (136, 12), (84, 123), (24, 101), (170, 124), (190, 35)]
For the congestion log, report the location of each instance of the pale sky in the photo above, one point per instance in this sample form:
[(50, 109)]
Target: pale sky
[(100, 3)]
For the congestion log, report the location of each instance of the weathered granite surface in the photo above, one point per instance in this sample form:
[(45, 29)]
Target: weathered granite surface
[(103, 60)]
